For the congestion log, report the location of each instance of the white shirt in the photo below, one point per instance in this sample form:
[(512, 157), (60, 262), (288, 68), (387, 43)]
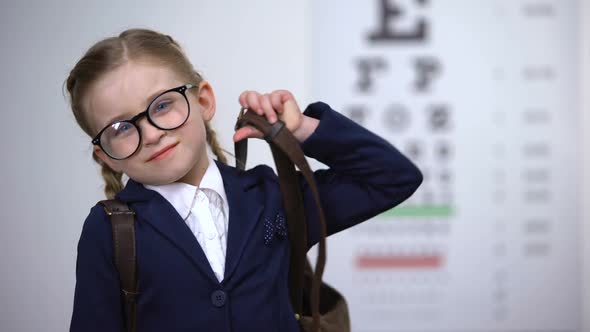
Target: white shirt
[(208, 218)]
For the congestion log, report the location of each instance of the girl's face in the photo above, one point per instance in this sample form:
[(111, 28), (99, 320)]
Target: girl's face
[(127, 91)]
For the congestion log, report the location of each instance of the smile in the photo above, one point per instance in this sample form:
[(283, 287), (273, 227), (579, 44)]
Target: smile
[(165, 152)]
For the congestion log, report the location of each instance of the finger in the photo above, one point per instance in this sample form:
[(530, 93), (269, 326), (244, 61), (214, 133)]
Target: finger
[(277, 104), (253, 103), (247, 132), (285, 95), (242, 99), (270, 113)]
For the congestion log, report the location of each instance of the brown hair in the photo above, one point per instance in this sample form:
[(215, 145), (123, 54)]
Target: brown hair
[(112, 52)]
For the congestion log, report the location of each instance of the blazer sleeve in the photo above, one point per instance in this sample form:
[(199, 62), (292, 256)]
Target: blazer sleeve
[(366, 174), (97, 301)]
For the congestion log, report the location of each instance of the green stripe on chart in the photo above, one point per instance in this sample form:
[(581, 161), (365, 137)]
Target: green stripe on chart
[(419, 211)]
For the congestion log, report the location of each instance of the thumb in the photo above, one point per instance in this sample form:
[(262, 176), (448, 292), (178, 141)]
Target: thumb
[(291, 115)]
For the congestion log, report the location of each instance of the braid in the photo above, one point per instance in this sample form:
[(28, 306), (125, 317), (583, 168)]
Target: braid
[(214, 144), (113, 180)]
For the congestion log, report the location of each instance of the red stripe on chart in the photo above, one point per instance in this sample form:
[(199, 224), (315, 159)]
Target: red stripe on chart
[(398, 262)]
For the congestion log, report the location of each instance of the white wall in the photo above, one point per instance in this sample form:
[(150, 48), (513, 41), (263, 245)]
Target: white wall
[(585, 192)]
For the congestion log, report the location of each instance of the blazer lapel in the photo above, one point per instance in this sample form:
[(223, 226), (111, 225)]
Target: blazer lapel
[(159, 213), (245, 209)]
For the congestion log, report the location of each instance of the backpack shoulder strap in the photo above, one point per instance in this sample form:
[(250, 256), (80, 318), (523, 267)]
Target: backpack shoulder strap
[(287, 154), (123, 226)]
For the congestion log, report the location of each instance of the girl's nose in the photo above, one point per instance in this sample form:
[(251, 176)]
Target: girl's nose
[(151, 135)]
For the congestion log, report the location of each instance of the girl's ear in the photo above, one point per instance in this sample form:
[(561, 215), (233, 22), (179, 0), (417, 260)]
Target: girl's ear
[(106, 159), (206, 101)]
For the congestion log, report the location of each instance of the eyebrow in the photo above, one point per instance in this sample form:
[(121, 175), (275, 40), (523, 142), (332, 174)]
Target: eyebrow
[(128, 115)]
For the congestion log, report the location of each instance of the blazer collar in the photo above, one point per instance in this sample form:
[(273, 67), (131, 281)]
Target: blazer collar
[(136, 192), (245, 208)]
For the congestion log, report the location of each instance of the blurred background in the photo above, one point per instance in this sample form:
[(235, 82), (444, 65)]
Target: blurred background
[(488, 97)]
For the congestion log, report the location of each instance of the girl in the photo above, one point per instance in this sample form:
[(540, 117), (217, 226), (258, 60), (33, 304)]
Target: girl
[(212, 254)]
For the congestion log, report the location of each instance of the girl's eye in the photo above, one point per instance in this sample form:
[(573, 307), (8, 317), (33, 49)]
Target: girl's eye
[(162, 106), (122, 129)]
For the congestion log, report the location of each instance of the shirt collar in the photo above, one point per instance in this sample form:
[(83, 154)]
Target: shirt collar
[(180, 194)]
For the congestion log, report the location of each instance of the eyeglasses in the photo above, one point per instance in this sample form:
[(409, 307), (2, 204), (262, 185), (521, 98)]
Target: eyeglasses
[(168, 111)]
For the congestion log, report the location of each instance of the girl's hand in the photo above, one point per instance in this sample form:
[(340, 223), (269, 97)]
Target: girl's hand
[(281, 105)]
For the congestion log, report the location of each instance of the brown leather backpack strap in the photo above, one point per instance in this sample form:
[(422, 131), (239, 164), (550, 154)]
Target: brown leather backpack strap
[(286, 147), (294, 210), (293, 204), (123, 226), (286, 152)]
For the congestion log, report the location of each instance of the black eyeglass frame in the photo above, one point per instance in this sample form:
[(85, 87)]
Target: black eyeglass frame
[(181, 89)]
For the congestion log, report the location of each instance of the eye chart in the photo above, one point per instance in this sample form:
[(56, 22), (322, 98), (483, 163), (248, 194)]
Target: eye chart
[(482, 96)]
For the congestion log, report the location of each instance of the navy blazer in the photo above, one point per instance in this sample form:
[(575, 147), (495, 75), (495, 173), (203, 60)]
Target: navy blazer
[(178, 290)]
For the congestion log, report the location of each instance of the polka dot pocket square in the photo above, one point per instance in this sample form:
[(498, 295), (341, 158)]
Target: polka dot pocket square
[(274, 228)]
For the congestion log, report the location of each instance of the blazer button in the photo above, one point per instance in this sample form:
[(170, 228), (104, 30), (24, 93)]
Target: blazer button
[(218, 298)]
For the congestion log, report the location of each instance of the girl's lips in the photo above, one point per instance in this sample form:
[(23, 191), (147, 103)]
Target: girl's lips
[(165, 152)]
